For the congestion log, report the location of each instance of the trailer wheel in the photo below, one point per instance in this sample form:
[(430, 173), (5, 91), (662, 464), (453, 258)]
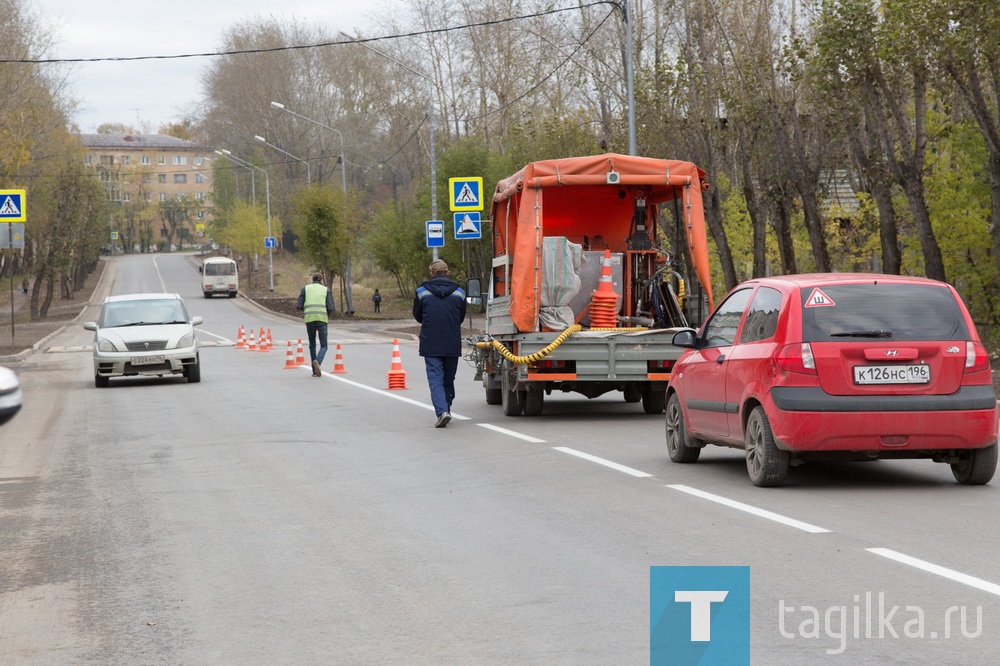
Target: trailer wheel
[(654, 399), (533, 401), (511, 399)]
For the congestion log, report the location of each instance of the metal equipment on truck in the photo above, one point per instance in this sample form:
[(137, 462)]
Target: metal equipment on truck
[(583, 296)]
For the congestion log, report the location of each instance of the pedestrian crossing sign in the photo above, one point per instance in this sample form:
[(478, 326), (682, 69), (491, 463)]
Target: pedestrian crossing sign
[(466, 194), (12, 206)]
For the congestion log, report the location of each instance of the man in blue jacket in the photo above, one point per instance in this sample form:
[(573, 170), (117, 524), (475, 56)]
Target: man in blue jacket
[(439, 306)]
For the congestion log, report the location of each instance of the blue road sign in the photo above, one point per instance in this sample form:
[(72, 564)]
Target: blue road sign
[(435, 233), (468, 226), (12, 206), (270, 241), (466, 193)]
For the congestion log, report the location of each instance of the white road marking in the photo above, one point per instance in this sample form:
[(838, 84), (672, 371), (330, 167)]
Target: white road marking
[(740, 506), (602, 461), (527, 438), (950, 574), (386, 393)]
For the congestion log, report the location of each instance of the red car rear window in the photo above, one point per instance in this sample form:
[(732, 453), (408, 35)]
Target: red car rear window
[(897, 312)]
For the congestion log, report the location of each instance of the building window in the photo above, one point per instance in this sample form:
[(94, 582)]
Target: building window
[(163, 196), (180, 160), (127, 197), (201, 215), (144, 160), (149, 197), (89, 160), (199, 196), (107, 160), (146, 178), (199, 178), (180, 178), (161, 177), (125, 159), (198, 160), (161, 159)]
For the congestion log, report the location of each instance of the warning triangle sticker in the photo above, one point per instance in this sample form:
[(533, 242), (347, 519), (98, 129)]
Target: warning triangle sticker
[(466, 196), (9, 208), (818, 299)]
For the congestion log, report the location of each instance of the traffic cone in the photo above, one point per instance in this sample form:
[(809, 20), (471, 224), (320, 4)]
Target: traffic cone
[(300, 357), (252, 345), (396, 375), (290, 358), (241, 339), (338, 363), (605, 301), (263, 342), (270, 340)]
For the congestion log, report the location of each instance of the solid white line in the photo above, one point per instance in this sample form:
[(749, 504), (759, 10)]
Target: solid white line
[(601, 461), (388, 394), (951, 574), (504, 431), (740, 506)]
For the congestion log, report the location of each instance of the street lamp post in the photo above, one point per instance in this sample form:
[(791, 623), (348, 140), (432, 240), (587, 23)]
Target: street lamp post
[(343, 184), (285, 152), (430, 122), (267, 194), (253, 176)]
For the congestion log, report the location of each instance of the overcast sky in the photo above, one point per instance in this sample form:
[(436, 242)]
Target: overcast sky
[(148, 93)]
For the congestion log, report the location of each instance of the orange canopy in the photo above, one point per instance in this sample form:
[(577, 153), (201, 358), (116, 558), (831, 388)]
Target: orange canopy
[(581, 200)]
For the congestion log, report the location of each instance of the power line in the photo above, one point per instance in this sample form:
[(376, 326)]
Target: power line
[(297, 47)]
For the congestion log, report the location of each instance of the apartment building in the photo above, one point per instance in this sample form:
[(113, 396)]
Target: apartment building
[(152, 168)]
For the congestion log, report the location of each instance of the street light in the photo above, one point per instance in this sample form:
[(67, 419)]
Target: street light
[(430, 122), (285, 152), (267, 194), (343, 184)]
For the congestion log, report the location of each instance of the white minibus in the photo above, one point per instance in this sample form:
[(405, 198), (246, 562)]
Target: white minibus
[(219, 276)]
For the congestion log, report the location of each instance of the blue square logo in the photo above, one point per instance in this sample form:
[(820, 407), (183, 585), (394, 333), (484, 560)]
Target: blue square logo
[(699, 616)]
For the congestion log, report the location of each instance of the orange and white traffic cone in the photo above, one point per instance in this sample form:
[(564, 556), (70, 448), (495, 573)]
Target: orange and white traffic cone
[(396, 375), (300, 357), (270, 340), (290, 358), (241, 339), (338, 363), (605, 301), (263, 341), (252, 344)]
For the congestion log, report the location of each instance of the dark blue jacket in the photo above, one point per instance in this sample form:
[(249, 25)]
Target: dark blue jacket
[(439, 306)]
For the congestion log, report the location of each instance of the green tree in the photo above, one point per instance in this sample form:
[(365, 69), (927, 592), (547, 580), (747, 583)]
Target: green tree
[(319, 220)]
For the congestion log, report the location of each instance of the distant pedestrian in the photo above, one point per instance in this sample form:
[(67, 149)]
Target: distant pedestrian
[(24, 286), (439, 306), (316, 302), (377, 300)]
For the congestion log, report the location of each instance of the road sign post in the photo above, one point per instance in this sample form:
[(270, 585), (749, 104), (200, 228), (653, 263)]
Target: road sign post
[(12, 209)]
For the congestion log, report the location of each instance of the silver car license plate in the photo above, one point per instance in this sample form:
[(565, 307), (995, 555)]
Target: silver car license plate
[(147, 360), (892, 374)]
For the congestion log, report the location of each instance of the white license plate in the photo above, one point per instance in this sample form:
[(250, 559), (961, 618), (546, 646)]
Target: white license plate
[(892, 374), (147, 360)]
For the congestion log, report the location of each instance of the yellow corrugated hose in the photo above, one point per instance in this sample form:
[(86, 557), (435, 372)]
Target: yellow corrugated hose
[(548, 349)]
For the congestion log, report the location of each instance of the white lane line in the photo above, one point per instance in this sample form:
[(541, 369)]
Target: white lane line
[(388, 394), (504, 431), (740, 506), (602, 461), (950, 574)]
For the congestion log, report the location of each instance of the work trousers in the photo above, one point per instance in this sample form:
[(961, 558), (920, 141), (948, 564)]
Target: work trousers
[(314, 329), (441, 379)]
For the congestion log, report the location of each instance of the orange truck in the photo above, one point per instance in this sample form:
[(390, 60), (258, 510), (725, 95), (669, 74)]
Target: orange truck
[(585, 289)]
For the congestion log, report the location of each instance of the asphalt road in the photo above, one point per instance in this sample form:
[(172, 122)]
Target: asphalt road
[(263, 516)]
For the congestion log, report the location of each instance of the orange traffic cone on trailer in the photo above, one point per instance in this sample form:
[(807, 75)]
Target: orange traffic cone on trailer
[(396, 375), (290, 358), (241, 339), (252, 344), (338, 363), (605, 301), (300, 356)]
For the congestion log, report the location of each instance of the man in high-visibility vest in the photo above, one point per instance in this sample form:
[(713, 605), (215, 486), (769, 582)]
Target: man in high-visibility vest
[(316, 303)]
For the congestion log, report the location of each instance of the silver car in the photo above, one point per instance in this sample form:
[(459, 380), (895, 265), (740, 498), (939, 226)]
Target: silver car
[(10, 394), (144, 334)]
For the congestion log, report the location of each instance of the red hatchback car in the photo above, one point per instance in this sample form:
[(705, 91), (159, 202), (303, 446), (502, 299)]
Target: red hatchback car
[(836, 366)]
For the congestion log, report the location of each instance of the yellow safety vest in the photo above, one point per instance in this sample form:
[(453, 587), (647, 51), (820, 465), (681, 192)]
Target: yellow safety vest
[(315, 304)]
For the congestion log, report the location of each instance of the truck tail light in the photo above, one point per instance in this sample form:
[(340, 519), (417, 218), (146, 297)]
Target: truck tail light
[(796, 358)]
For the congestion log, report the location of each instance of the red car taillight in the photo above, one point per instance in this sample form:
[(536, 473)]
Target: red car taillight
[(796, 357), (976, 359)]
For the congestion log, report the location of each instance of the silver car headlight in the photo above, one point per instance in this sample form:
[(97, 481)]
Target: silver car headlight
[(105, 345), (186, 341)]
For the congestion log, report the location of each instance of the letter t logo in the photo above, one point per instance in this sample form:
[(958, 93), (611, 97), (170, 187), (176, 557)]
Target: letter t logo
[(701, 610)]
